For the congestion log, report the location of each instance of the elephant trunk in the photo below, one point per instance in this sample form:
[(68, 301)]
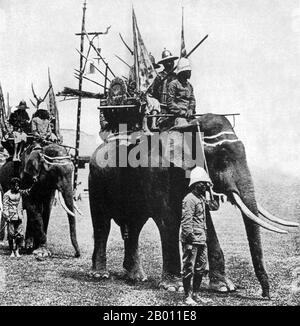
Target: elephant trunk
[(247, 203), (66, 197)]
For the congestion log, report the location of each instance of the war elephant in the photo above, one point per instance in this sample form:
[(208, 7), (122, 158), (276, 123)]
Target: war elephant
[(130, 195), (51, 168)]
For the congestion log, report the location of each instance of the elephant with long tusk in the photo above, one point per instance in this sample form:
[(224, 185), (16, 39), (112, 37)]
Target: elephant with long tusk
[(51, 169), (130, 195)]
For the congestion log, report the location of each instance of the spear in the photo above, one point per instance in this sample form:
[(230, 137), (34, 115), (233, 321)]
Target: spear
[(127, 46)]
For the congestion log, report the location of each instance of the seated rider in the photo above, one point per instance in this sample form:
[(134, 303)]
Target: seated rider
[(152, 104), (41, 125), (181, 100), (19, 120), (159, 88)]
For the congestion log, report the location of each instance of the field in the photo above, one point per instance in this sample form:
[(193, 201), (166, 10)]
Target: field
[(64, 280)]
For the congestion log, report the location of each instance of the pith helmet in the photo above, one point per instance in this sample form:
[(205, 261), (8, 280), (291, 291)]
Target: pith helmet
[(155, 65), (183, 65), (198, 174), (43, 106), (166, 56), (22, 105)]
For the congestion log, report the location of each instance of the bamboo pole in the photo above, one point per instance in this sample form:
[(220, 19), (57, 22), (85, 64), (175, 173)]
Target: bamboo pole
[(77, 142)]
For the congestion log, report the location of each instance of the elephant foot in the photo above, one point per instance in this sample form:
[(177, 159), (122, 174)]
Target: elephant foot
[(41, 253), (171, 283), (222, 286), (136, 274), (77, 254), (100, 275)]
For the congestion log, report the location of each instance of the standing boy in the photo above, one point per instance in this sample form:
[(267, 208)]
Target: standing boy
[(13, 214)]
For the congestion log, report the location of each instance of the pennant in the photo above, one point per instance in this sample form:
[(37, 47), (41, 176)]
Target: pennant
[(183, 49), (144, 72), (53, 110)]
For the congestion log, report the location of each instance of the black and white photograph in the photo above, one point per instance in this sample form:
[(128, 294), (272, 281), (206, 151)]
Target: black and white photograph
[(149, 155)]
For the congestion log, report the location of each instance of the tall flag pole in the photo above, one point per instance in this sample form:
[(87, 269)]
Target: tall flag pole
[(77, 142), (183, 49)]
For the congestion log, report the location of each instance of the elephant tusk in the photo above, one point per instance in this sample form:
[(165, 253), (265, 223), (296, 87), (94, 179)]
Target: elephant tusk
[(275, 219), (255, 218), (77, 209), (63, 204)]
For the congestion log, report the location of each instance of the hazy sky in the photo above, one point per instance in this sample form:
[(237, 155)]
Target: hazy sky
[(249, 63)]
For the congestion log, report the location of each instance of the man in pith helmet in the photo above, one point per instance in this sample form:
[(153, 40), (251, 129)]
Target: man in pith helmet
[(180, 99), (193, 235), (159, 87)]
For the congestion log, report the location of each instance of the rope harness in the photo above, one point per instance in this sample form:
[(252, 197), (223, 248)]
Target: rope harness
[(220, 142), (56, 160)]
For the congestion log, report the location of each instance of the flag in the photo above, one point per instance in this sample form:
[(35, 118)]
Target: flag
[(183, 49), (53, 108), (144, 72)]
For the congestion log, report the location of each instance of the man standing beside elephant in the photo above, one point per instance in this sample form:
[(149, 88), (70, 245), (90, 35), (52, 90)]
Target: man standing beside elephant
[(193, 235)]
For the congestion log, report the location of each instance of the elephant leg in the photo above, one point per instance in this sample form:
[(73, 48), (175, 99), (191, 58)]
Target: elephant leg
[(36, 225), (29, 234), (36, 231), (101, 231), (67, 194), (169, 233), (2, 228), (217, 275), (132, 263)]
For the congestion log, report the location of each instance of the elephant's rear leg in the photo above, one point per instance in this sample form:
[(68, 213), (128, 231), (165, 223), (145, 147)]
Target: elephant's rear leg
[(132, 263)]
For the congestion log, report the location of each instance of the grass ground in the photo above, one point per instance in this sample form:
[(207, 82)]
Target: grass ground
[(64, 280)]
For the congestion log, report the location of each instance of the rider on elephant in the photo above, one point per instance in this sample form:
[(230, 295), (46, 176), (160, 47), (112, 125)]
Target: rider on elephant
[(152, 102), (19, 120), (194, 235), (41, 125), (180, 98), (159, 88)]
